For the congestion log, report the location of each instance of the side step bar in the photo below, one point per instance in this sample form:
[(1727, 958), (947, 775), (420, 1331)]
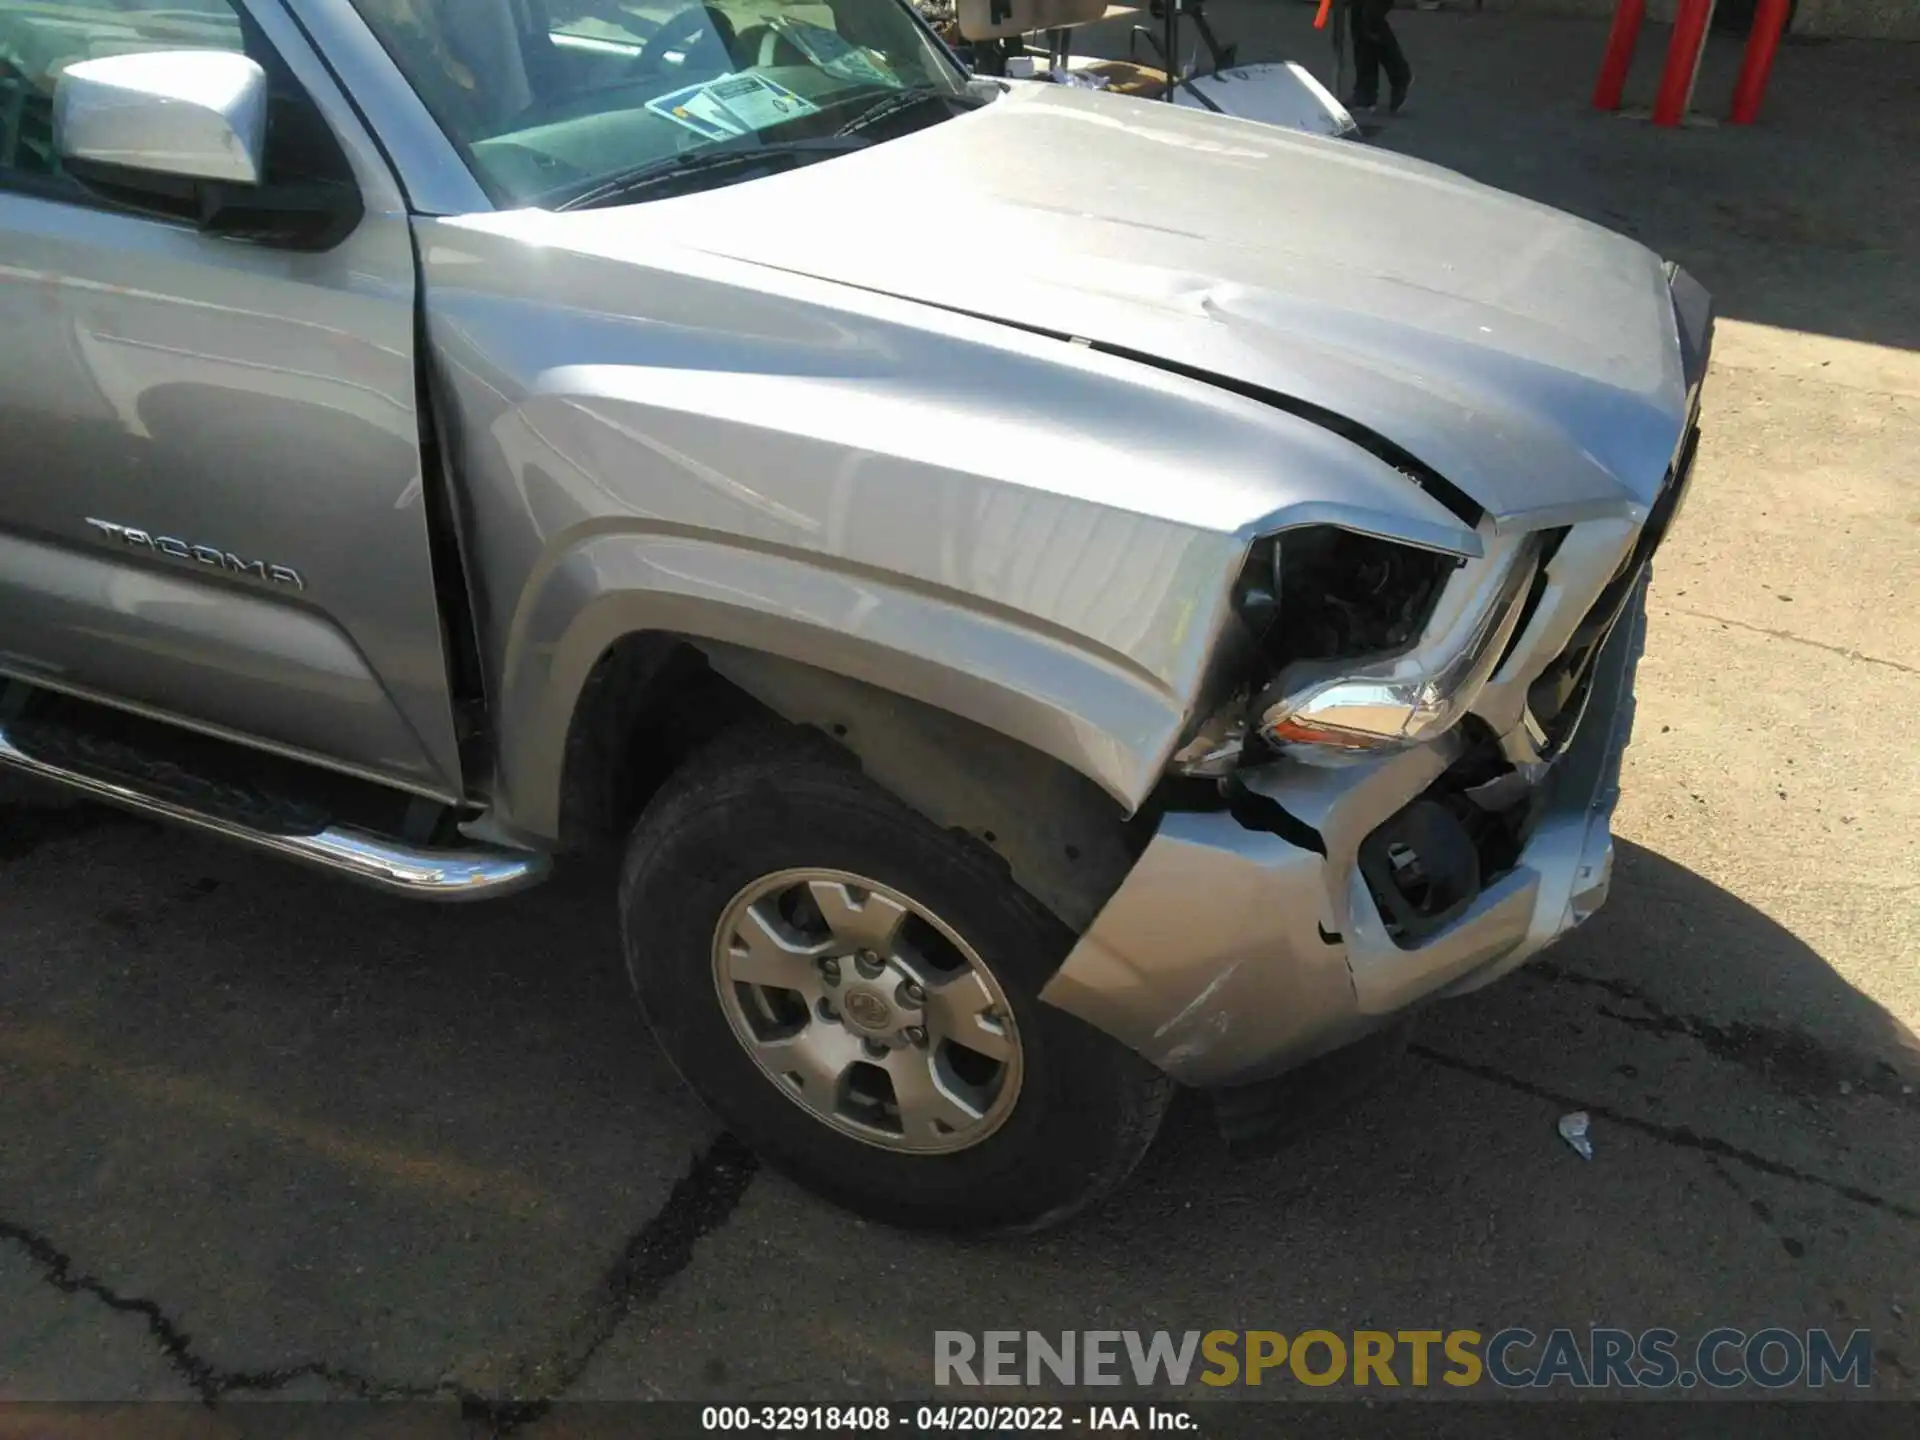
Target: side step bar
[(418, 872)]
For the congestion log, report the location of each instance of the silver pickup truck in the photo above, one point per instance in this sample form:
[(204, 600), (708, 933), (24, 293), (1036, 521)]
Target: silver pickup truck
[(1035, 640)]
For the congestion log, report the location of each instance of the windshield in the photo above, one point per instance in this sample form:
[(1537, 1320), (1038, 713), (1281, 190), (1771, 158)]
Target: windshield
[(558, 102)]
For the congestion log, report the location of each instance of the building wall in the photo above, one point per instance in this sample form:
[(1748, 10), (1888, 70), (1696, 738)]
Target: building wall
[(1870, 19), (1893, 19)]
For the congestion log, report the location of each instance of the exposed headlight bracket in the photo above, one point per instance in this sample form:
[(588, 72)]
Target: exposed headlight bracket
[(1408, 698)]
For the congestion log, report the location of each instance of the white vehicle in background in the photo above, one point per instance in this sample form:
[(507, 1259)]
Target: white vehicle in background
[(991, 35)]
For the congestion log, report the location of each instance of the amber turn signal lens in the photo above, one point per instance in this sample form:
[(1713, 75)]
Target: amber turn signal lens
[(1292, 731)]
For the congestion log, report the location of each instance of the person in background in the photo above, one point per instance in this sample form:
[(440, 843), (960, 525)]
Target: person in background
[(1376, 48)]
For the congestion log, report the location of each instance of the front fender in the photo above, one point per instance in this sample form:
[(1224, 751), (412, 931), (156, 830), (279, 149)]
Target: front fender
[(1095, 713), (1036, 536)]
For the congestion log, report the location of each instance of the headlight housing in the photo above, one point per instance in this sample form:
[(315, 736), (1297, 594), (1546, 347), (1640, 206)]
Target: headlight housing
[(1409, 697)]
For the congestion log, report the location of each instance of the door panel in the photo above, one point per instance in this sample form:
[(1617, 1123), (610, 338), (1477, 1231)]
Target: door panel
[(158, 642), (210, 469)]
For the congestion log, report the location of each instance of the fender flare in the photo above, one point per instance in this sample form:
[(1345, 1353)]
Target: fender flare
[(1096, 714)]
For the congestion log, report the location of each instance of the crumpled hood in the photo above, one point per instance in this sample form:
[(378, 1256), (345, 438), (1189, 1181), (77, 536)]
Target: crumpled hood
[(1528, 356)]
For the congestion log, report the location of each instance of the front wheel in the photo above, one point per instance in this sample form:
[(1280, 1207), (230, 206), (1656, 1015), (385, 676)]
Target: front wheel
[(855, 992)]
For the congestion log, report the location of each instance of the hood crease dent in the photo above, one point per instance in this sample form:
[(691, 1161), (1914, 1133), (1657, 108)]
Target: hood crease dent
[(1458, 502), (1527, 358)]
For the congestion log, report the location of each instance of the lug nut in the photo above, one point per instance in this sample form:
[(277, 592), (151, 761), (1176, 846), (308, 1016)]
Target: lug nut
[(916, 1035), (830, 968), (876, 1050), (912, 994), (868, 964), (826, 1010)]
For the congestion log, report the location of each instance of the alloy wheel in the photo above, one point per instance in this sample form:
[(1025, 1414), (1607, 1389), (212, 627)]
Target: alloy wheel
[(867, 1010)]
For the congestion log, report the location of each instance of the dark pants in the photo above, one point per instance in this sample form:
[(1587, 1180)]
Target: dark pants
[(1375, 47)]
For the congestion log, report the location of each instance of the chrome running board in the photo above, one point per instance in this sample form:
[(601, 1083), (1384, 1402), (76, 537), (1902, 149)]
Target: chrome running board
[(421, 872)]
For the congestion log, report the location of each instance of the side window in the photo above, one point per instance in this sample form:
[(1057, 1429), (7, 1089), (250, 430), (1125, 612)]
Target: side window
[(40, 38), (604, 20)]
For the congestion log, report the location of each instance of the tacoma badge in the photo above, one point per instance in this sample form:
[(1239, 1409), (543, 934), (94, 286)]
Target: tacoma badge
[(175, 549)]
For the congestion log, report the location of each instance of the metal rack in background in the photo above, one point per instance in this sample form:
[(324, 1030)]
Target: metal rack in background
[(990, 57), (1162, 42), (1166, 45)]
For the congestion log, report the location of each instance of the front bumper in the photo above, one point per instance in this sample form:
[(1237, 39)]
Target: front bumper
[(1232, 952), (1247, 941)]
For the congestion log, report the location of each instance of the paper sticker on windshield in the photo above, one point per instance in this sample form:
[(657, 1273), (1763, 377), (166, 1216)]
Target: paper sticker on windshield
[(731, 105), (757, 102), (695, 108), (834, 54)]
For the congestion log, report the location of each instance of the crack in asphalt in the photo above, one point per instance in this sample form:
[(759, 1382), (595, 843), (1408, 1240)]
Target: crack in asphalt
[(1682, 1136), (1792, 1061), (700, 1202), (205, 1379), (1762, 1212), (1846, 652)]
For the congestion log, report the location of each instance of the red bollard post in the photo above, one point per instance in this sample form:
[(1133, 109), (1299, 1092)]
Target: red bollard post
[(1627, 19), (1683, 61), (1769, 24)]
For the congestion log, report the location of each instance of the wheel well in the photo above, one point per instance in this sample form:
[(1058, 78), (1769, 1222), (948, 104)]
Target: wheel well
[(649, 702), (652, 699)]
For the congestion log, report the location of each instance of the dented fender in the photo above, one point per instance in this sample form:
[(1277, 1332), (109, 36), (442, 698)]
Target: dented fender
[(1036, 536)]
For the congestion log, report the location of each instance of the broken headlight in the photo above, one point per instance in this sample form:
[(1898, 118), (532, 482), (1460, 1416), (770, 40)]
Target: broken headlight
[(1346, 596), (1313, 595), (1450, 638)]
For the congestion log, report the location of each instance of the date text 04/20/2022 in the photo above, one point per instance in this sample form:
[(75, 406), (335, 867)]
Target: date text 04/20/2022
[(997, 1419)]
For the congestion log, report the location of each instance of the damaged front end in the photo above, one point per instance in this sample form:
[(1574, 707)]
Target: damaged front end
[(1319, 886), (1406, 792)]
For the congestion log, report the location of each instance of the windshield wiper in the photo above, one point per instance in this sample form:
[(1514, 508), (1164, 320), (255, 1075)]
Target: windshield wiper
[(707, 162), (900, 102)]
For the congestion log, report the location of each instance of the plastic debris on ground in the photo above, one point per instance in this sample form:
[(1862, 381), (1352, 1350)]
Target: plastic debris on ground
[(1573, 1130)]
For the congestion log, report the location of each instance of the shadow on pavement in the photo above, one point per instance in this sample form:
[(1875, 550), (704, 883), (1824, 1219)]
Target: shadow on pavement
[(341, 1144), (1668, 932), (1672, 958), (1735, 1181)]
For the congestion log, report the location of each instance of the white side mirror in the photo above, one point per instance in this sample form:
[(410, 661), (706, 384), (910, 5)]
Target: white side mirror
[(194, 114)]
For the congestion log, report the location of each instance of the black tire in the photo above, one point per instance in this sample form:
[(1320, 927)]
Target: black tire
[(772, 798)]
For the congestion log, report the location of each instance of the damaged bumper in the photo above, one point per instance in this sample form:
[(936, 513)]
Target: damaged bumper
[(1326, 898), (1246, 941)]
